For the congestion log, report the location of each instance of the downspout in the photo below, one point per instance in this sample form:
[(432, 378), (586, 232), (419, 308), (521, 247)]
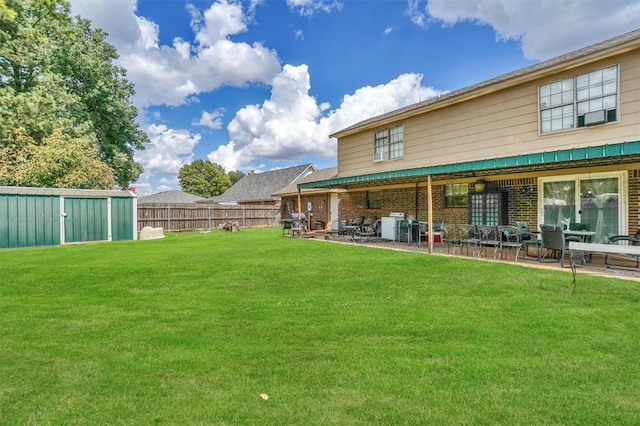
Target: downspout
[(416, 201), (430, 213)]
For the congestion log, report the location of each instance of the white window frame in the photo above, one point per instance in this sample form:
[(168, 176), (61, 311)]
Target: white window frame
[(562, 104), (623, 202), (388, 144)]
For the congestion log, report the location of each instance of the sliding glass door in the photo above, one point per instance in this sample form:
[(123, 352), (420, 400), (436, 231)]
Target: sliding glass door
[(595, 200)]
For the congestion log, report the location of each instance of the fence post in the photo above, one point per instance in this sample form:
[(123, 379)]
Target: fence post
[(168, 218)]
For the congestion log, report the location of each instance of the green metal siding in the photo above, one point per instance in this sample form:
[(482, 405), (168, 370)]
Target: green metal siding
[(86, 219), (27, 220), (122, 219)]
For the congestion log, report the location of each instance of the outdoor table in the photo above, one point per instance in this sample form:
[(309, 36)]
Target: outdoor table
[(350, 231), (585, 236)]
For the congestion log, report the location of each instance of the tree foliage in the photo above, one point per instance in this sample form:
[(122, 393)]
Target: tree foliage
[(235, 176), (63, 162), (203, 178), (59, 88)]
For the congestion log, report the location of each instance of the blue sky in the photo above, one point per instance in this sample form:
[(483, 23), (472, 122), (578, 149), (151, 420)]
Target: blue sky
[(261, 84)]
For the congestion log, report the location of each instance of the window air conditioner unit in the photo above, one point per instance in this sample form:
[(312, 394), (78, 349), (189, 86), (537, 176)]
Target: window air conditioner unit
[(380, 156), (595, 117)]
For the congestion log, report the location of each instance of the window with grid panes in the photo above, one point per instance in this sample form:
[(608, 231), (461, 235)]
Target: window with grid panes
[(564, 104), (389, 143), (455, 195), (488, 208)]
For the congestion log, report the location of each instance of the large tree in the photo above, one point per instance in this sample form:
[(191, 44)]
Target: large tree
[(235, 176), (203, 178), (58, 84)]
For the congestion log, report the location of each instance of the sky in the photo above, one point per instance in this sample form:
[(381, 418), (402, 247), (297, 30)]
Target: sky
[(259, 85)]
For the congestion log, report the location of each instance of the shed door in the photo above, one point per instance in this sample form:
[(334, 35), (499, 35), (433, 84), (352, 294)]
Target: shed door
[(27, 220), (86, 219), (122, 219)]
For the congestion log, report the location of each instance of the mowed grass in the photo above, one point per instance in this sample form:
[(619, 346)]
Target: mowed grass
[(191, 329)]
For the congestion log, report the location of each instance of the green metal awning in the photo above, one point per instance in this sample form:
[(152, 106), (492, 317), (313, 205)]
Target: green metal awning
[(535, 159)]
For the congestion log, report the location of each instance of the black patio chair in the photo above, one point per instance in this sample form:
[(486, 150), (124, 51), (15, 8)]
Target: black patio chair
[(528, 238), (510, 238), (450, 237), (623, 239), (489, 238), (553, 243)]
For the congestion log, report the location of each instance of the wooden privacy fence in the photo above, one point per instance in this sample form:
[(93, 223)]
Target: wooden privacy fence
[(193, 217)]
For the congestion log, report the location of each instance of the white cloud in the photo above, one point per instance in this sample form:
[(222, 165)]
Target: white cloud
[(298, 34), (219, 21), (545, 28), (310, 7), (175, 74), (169, 149), (291, 124), (212, 120), (387, 31)]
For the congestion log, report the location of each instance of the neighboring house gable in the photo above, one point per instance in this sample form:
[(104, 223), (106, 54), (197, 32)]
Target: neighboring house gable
[(292, 189), (169, 197), (322, 200), (257, 188)]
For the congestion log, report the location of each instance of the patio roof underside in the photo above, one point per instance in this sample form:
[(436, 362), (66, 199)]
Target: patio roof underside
[(626, 152)]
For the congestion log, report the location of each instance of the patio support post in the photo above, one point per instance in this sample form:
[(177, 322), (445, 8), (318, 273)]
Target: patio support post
[(430, 213), (299, 204)]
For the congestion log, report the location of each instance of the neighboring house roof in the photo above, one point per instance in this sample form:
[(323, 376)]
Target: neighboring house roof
[(169, 197), (613, 46), (64, 192), (257, 187), (292, 188)]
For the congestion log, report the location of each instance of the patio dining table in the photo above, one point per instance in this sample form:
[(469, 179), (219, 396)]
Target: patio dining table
[(585, 236)]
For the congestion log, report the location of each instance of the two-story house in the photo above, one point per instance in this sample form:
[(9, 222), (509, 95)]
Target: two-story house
[(559, 139)]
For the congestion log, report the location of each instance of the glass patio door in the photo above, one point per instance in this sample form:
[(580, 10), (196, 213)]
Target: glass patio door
[(595, 200)]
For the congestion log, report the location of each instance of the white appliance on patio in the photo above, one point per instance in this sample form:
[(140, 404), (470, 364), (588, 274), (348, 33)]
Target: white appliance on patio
[(389, 225)]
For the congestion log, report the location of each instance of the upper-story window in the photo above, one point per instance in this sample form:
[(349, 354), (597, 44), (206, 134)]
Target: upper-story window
[(388, 144), (584, 100)]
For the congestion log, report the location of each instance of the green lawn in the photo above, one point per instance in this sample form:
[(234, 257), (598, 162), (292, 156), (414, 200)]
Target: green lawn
[(191, 329)]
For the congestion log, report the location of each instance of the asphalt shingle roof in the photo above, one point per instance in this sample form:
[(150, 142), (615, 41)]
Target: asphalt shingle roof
[(169, 197), (260, 186), (322, 174)]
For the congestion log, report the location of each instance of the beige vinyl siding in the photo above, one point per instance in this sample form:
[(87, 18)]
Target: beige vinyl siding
[(498, 124)]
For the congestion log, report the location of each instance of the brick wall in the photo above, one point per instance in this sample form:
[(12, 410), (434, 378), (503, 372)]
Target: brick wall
[(522, 195), (320, 207)]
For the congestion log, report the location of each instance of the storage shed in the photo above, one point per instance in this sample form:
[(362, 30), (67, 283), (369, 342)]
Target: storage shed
[(53, 216)]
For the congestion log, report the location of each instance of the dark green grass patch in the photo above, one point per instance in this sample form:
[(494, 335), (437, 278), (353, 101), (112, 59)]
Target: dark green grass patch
[(191, 329)]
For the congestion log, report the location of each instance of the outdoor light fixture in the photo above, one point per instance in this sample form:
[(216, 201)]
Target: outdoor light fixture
[(479, 185)]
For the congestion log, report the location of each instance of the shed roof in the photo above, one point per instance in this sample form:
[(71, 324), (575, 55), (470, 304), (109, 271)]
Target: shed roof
[(258, 187), (64, 192), (610, 47), (169, 197)]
